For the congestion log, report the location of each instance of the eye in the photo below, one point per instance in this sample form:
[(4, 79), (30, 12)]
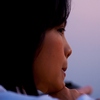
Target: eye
[(61, 30)]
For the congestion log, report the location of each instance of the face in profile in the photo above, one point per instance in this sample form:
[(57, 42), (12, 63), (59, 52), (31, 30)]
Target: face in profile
[(51, 63)]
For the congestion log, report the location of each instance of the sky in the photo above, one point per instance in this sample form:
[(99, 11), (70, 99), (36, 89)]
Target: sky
[(83, 34)]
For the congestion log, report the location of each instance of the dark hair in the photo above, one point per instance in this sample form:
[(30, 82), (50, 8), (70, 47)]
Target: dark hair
[(26, 24)]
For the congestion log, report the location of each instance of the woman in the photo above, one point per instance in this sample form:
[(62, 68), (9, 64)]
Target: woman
[(37, 51)]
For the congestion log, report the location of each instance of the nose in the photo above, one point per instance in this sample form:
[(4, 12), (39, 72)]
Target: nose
[(67, 50)]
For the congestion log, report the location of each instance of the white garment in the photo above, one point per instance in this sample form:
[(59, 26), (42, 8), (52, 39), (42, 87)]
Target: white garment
[(2, 89), (85, 97), (8, 95)]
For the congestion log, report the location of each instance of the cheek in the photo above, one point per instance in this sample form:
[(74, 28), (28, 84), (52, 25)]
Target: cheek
[(54, 49), (48, 64), (50, 60), (53, 54)]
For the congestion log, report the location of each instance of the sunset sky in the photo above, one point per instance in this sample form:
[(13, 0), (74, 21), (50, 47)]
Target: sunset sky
[(83, 35)]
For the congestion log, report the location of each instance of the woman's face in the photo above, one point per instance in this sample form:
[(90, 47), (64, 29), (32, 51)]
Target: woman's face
[(51, 63)]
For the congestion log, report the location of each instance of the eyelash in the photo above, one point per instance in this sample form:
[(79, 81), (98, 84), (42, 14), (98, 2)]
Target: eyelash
[(61, 30)]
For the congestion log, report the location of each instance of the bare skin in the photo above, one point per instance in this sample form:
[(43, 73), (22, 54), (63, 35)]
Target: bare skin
[(50, 65), (71, 94)]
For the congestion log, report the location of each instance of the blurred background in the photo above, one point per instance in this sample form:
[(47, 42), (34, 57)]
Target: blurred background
[(83, 35)]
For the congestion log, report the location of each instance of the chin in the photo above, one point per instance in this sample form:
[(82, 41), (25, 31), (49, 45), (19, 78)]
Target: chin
[(57, 87)]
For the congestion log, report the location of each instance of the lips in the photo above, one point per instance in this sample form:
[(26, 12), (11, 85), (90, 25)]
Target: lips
[(64, 66), (64, 69)]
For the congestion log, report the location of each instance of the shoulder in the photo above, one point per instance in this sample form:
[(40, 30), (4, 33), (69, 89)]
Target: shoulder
[(8, 95), (2, 89), (15, 96)]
